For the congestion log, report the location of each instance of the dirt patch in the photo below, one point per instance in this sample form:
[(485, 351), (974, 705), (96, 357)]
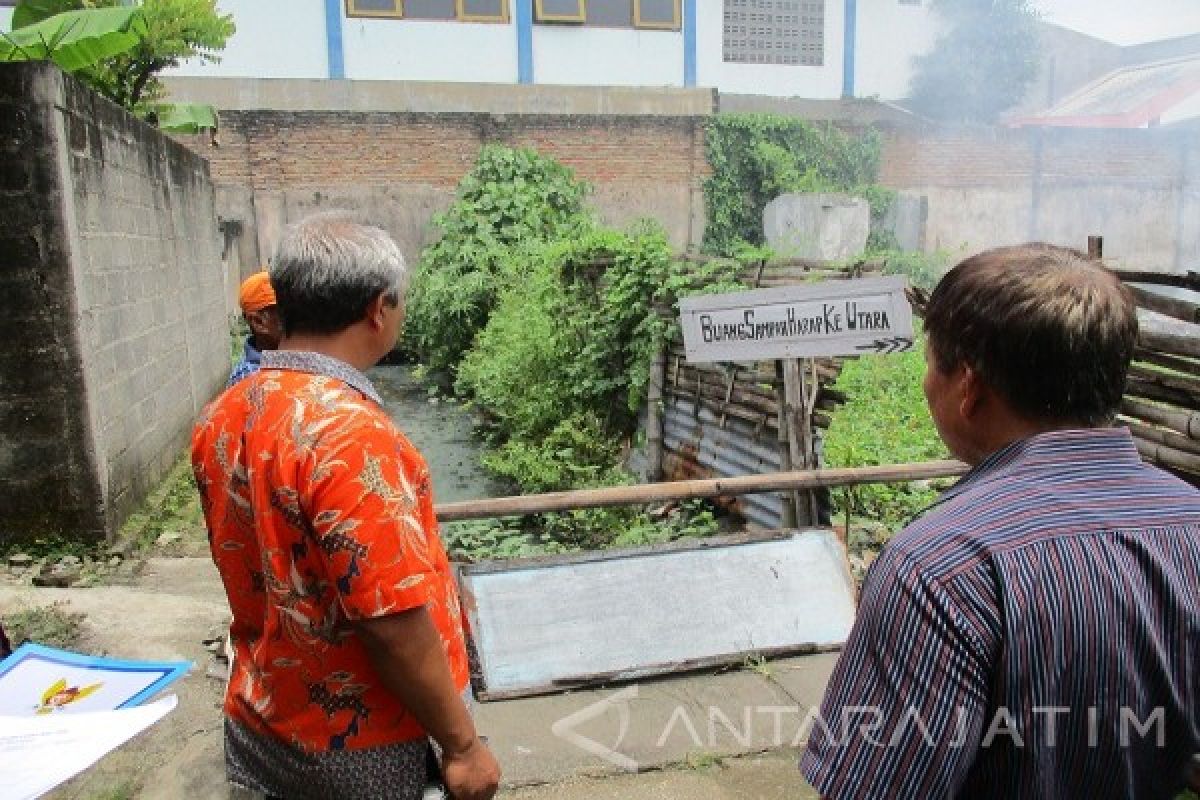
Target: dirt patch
[(175, 605)]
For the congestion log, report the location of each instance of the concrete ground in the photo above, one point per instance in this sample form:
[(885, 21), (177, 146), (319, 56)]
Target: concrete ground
[(766, 777), (702, 735)]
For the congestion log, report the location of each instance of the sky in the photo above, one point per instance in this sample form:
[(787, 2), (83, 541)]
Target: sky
[(1125, 21)]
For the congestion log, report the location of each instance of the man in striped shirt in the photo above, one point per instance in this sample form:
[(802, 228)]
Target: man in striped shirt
[(1037, 632)]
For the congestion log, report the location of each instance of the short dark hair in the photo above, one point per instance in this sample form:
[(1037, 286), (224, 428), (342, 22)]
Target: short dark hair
[(1050, 330), (327, 270)]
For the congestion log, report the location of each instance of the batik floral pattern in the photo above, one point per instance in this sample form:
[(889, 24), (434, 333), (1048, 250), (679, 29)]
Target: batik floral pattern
[(320, 513)]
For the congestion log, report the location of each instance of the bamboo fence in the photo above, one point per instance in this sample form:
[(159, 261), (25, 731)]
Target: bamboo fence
[(746, 401), (1161, 407)]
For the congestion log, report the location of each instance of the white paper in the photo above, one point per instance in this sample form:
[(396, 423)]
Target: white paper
[(37, 680), (38, 753)]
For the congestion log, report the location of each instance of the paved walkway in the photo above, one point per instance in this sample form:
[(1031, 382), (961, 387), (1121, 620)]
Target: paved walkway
[(696, 736)]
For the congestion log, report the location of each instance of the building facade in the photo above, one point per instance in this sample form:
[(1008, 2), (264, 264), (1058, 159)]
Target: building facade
[(779, 48)]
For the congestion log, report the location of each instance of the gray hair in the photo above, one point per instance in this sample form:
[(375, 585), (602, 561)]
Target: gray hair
[(328, 268)]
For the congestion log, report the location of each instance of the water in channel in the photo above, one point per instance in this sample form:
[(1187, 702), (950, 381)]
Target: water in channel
[(441, 430)]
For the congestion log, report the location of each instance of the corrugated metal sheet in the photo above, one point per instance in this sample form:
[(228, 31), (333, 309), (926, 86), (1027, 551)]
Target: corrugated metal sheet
[(698, 446), (720, 421)]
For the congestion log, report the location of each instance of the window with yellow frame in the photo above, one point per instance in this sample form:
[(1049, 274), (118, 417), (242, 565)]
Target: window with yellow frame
[(657, 14), (647, 14), (448, 10), (560, 10)]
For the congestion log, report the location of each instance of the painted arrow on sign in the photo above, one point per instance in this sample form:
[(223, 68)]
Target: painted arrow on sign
[(897, 344)]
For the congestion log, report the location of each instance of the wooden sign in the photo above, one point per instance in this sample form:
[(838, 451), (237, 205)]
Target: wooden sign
[(834, 318)]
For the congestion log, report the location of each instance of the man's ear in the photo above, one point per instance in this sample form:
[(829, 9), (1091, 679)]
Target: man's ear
[(375, 311), (972, 391)]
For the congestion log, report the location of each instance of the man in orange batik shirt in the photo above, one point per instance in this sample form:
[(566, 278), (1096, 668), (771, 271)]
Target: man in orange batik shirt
[(349, 654)]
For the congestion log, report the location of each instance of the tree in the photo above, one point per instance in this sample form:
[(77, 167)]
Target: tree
[(175, 31), (982, 65)]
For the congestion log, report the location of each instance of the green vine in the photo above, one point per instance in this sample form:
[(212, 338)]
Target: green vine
[(756, 157)]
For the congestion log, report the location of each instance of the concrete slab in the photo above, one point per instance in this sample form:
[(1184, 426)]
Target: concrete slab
[(653, 724), (768, 777), (824, 227), (541, 741), (258, 94)]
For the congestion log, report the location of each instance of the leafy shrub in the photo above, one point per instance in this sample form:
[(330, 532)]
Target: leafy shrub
[(885, 421), (922, 269), (561, 368), (756, 157), (575, 453), (560, 371), (510, 199), (581, 529), (549, 323)]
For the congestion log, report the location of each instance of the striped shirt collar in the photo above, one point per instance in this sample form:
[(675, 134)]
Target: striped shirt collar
[(320, 364), (1111, 446)]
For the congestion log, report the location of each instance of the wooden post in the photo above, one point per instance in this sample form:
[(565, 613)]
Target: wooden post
[(800, 439), (1096, 247), (654, 416), (790, 506), (810, 440)]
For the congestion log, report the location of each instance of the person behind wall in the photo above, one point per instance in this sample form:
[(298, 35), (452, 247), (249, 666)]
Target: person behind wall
[(1037, 632), (259, 309), (347, 632)]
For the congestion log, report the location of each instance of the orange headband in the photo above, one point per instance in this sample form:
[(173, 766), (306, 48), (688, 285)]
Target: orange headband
[(256, 293)]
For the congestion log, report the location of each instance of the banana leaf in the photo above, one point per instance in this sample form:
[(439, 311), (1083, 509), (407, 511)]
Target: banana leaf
[(185, 117), (76, 39), (29, 12)]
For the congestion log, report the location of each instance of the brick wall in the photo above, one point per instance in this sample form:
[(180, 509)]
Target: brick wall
[(645, 155), (1140, 189), (400, 168), (122, 333)]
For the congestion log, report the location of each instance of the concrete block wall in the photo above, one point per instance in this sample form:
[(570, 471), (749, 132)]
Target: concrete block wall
[(49, 480), (138, 329), (994, 186)]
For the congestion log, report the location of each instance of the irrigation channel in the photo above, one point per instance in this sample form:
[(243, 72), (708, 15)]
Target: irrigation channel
[(442, 430)]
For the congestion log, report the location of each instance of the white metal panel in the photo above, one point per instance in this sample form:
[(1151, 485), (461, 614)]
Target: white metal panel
[(271, 41), (428, 50), (635, 614), (581, 56)]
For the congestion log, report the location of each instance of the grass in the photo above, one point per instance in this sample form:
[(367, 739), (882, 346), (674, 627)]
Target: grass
[(884, 421), (125, 790), (54, 546), (48, 625), (703, 761), (172, 507), (759, 666)]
